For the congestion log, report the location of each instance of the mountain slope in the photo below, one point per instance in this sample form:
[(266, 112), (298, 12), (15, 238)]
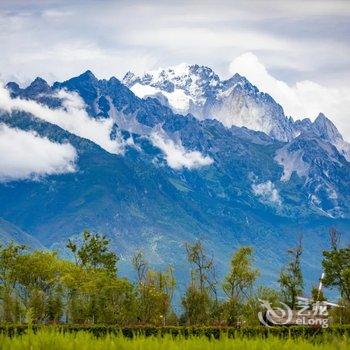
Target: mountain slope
[(12, 233)]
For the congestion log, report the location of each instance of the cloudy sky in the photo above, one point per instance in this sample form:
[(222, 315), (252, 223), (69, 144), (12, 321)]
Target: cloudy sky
[(298, 51)]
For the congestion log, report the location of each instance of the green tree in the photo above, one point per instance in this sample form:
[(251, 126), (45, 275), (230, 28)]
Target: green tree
[(196, 305), (240, 280), (252, 306), (336, 265), (200, 302), (40, 287), (238, 283), (155, 290), (96, 296), (140, 265), (317, 295), (203, 267), (341, 315), (54, 304), (291, 277), (11, 310), (94, 252), (37, 277)]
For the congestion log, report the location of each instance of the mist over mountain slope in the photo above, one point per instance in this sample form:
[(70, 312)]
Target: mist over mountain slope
[(201, 158)]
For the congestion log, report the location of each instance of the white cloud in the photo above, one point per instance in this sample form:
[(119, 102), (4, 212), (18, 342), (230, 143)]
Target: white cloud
[(25, 155), (267, 192), (303, 99), (72, 117), (53, 14), (207, 39), (176, 155), (121, 36)]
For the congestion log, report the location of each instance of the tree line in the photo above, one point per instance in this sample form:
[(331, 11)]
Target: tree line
[(40, 287)]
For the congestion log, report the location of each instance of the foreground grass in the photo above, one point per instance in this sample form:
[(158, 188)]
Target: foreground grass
[(53, 340)]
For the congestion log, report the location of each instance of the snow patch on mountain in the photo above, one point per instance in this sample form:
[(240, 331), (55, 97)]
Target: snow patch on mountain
[(344, 148), (177, 99), (239, 109), (334, 211), (291, 162)]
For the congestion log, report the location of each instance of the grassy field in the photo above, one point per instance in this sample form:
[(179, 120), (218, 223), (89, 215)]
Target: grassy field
[(52, 340)]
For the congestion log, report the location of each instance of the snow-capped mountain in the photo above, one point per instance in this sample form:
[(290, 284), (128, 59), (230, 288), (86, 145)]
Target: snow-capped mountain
[(239, 172), (198, 90), (185, 88)]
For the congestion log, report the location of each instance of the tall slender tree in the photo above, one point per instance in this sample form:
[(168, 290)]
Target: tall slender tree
[(291, 277), (200, 300)]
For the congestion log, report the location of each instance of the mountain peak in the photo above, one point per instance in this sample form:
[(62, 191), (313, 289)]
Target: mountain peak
[(181, 86), (87, 75), (38, 86), (321, 118), (128, 78), (180, 76), (235, 79), (324, 128), (13, 87), (38, 82), (87, 78), (179, 69), (198, 90), (238, 76)]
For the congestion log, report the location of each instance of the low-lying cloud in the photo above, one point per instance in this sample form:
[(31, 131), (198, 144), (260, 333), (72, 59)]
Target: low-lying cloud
[(72, 118), (25, 155), (176, 155), (267, 192)]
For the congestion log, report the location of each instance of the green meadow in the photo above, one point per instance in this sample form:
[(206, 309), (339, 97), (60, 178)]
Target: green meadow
[(53, 340)]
